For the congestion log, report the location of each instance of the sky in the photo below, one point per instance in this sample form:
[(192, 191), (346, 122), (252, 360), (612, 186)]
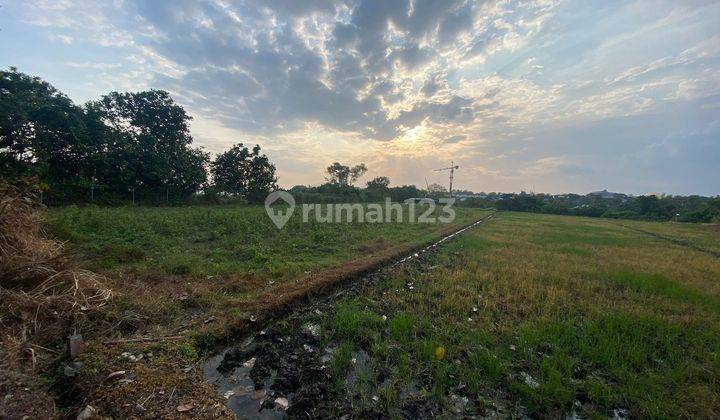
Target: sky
[(544, 95)]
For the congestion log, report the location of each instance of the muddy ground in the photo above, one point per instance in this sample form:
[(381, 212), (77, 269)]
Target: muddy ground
[(286, 368)]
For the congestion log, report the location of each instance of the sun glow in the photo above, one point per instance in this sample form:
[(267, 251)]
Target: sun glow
[(412, 135)]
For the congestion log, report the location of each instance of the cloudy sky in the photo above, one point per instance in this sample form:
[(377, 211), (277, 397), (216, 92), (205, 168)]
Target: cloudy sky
[(543, 95)]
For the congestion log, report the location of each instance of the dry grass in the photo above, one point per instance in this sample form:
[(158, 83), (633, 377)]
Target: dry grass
[(603, 317), (42, 299)]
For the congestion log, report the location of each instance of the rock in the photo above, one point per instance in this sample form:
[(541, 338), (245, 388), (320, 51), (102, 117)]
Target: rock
[(87, 413), (512, 347), (249, 363), (184, 408), (186, 369), (210, 320), (253, 318), (228, 394), (281, 404)]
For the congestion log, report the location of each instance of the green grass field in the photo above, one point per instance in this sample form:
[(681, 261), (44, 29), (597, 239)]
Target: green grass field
[(169, 264), (526, 314), (201, 241), (543, 316)]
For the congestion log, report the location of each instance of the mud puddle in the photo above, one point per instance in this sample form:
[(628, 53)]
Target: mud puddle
[(285, 369)]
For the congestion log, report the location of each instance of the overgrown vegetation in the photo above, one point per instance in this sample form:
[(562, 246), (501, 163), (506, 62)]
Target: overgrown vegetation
[(223, 241)]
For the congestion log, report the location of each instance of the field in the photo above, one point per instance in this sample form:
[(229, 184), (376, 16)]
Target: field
[(536, 315), (167, 263), (524, 314)]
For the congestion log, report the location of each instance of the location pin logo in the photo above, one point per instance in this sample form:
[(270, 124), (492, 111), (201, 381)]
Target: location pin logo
[(279, 217)]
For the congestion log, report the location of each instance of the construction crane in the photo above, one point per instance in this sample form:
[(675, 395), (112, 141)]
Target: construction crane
[(451, 168)]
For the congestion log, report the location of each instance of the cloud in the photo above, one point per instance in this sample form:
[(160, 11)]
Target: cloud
[(88, 65), (412, 78), (455, 138)]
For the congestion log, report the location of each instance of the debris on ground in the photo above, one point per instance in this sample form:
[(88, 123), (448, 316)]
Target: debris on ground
[(619, 414), (73, 369), (184, 408), (529, 380), (281, 404), (76, 345), (87, 413), (116, 374), (131, 357), (312, 329), (458, 403)]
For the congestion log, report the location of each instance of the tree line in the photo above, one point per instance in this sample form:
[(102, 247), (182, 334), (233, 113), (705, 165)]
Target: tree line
[(131, 144), (694, 208)]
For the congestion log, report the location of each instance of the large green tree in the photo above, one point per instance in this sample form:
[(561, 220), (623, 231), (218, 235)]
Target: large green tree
[(244, 173), (148, 144), (42, 132)]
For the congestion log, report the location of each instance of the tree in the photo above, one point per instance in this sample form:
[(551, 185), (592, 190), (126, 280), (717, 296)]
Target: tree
[(404, 192), (436, 189), (377, 189), (244, 173), (344, 175), (379, 183), (41, 132), (147, 134)]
